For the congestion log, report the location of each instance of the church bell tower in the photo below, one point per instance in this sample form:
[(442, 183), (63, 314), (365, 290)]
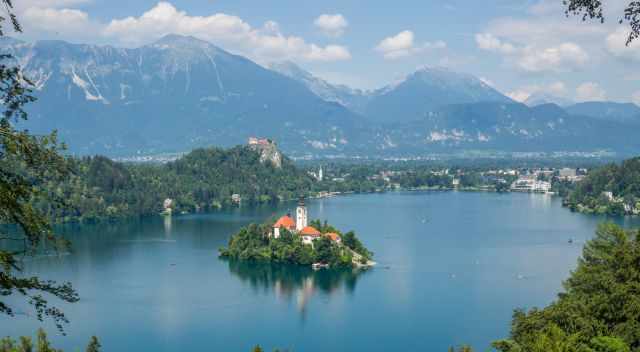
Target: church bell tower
[(301, 215)]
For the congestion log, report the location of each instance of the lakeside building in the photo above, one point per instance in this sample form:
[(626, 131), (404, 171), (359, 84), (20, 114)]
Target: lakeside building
[(530, 184), (300, 226)]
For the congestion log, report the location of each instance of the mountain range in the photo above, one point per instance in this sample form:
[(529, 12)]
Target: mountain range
[(180, 93)]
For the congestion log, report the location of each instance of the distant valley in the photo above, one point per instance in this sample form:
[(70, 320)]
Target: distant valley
[(181, 93)]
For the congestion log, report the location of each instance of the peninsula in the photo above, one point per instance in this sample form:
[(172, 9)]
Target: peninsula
[(298, 242)]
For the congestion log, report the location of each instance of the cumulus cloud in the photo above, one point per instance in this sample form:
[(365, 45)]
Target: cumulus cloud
[(590, 91), (397, 46), (488, 41), (230, 31), (332, 25), (616, 45), (60, 22), (328, 53), (402, 45), (266, 43), (563, 57), (534, 58)]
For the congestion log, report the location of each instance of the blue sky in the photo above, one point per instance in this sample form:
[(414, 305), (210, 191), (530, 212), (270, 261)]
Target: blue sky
[(521, 47)]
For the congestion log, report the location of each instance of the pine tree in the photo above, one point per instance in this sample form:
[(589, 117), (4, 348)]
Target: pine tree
[(94, 345)]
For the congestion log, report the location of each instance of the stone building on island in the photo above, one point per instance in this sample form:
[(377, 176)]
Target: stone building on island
[(300, 226)]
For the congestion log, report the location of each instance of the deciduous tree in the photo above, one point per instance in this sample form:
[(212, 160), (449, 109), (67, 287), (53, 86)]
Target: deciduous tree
[(593, 9), (25, 161)]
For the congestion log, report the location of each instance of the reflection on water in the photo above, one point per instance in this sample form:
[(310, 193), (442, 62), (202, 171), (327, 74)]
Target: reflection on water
[(294, 281), (167, 226), (454, 264)]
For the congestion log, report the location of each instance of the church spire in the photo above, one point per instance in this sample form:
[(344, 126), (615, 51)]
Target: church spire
[(301, 215)]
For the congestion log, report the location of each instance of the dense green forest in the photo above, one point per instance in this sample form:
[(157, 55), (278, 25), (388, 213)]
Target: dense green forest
[(204, 179), (253, 243), (611, 189), (98, 188), (599, 309)]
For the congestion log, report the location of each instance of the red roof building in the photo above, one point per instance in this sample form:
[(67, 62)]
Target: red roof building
[(310, 231), (287, 222), (333, 236)]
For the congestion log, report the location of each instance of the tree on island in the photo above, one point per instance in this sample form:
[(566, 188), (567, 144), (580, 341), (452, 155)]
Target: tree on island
[(253, 243), (26, 161)]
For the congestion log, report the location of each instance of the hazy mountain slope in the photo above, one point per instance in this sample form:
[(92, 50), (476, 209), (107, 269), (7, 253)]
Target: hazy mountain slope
[(425, 91), (354, 99), (510, 127), (608, 111), (180, 93), (175, 94)]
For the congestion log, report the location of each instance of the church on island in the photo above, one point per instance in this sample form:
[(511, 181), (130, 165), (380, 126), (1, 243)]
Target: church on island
[(301, 227)]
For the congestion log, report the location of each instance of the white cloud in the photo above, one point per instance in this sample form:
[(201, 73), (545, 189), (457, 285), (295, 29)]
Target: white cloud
[(616, 45), (232, 32), (635, 98), (556, 89), (328, 53), (64, 22), (402, 45), (590, 91), (488, 41), (531, 58), (564, 57), (544, 30), (332, 25), (266, 43), (397, 46)]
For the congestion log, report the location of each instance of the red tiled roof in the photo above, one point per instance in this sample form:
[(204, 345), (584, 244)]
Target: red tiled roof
[(333, 236), (286, 222), (310, 231)]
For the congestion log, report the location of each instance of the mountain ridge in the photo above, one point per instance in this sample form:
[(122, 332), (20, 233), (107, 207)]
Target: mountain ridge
[(180, 93)]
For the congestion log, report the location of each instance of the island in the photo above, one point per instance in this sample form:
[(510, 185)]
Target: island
[(298, 242)]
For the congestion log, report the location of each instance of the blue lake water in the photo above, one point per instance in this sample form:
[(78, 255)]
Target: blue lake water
[(452, 266)]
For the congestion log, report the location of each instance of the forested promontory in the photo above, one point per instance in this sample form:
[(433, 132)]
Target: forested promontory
[(205, 179), (611, 189)]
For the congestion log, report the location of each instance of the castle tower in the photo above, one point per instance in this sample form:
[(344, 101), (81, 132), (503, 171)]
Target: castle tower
[(320, 175), (301, 215)]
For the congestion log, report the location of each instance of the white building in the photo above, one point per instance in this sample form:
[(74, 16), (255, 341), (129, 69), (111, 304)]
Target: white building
[(528, 184), (301, 215)]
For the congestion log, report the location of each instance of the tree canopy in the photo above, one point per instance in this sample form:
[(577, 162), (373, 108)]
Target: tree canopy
[(26, 160), (599, 309), (593, 9)]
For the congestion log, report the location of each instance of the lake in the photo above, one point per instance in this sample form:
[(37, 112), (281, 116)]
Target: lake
[(452, 266)]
